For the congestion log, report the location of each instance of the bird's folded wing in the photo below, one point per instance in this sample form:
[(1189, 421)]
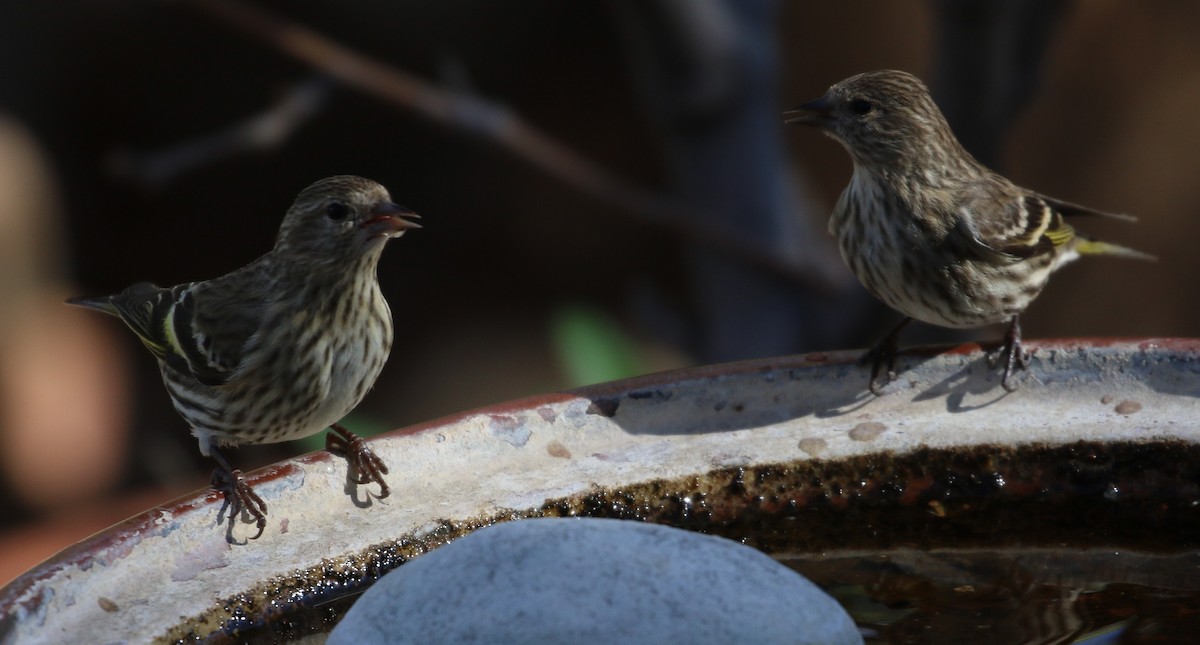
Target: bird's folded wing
[(142, 307), (192, 328), (211, 325), (1018, 225)]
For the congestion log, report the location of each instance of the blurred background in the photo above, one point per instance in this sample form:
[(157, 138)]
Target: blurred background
[(606, 186)]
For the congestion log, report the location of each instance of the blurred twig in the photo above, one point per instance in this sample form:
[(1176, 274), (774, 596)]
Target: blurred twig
[(264, 130), (494, 122)]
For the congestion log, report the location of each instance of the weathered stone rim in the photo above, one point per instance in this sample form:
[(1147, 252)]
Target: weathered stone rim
[(1103, 398)]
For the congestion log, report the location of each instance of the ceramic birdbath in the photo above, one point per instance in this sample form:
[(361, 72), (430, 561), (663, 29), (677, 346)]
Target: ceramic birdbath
[(944, 507)]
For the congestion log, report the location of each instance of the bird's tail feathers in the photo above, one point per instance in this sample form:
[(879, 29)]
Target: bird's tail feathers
[(1071, 209), (1089, 246), (102, 303)]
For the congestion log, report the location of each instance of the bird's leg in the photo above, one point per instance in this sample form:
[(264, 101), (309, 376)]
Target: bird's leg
[(365, 465), (1011, 353), (238, 493), (883, 351)]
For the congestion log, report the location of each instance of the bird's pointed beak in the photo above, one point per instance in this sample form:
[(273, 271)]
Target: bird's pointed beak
[(818, 113), (388, 219)]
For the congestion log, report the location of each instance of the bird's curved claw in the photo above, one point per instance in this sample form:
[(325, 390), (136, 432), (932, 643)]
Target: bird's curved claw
[(365, 465), (883, 352), (876, 357), (240, 497), (1012, 354)]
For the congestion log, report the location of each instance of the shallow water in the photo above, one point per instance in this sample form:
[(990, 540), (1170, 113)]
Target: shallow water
[(1052, 596), (1086, 542)]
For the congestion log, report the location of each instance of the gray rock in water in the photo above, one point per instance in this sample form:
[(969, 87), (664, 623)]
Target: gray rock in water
[(594, 581)]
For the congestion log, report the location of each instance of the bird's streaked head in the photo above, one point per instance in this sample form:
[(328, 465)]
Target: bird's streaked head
[(342, 216), (883, 118)]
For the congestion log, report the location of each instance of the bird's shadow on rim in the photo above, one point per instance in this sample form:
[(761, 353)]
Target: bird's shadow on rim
[(359, 492), (976, 378), (907, 362)]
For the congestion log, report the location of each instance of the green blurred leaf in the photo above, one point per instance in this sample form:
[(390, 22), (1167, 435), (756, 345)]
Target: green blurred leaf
[(591, 346)]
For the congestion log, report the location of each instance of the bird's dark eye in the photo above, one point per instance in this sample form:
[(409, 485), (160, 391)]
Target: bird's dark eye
[(337, 211), (861, 107)]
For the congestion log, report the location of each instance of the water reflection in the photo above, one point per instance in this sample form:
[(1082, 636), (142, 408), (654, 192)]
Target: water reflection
[(1015, 596)]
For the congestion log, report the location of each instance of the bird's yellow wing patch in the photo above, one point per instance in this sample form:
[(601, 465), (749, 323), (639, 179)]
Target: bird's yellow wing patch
[(1061, 234)]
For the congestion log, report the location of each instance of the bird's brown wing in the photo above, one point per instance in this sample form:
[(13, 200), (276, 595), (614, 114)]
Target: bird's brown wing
[(164, 320), (215, 321), (1004, 219), (143, 308)]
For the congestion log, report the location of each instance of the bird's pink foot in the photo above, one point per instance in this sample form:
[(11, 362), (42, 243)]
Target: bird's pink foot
[(365, 465), (240, 497), (1013, 356), (884, 352)]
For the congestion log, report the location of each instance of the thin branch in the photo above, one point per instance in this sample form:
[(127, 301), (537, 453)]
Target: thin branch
[(261, 131), (493, 122)]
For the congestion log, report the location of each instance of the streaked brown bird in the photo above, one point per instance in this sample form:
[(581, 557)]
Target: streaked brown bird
[(285, 346), (928, 229)]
